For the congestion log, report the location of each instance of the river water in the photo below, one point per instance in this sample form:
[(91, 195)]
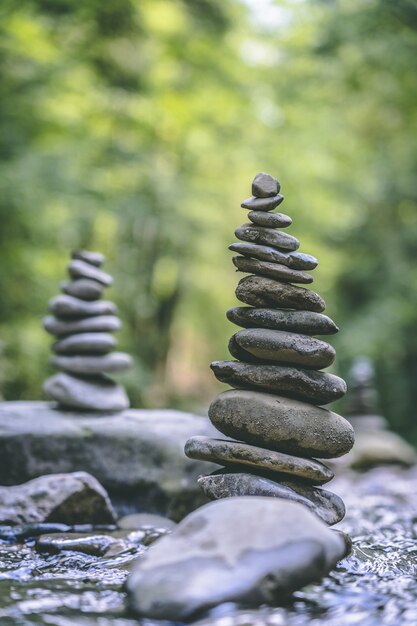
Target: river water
[(375, 586)]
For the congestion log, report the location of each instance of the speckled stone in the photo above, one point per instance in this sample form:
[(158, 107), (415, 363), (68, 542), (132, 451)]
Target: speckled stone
[(306, 322), (83, 269), (99, 323), (68, 306), (83, 288), (109, 363), (265, 186), (227, 483), (295, 260), (93, 394), (270, 220), (270, 270), (262, 204), (267, 236), (85, 343), (295, 382), (281, 424), (226, 452), (94, 258), (259, 291)]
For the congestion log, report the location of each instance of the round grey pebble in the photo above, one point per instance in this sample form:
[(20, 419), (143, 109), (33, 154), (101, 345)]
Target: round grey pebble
[(107, 364), (270, 220), (82, 269), (85, 343), (99, 323), (306, 322), (271, 270), (295, 260), (267, 236), (83, 288), (94, 258), (262, 204), (259, 291), (94, 394), (68, 306), (265, 186)]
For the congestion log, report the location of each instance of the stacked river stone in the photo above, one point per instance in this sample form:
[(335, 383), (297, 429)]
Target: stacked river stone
[(273, 412), (82, 323)]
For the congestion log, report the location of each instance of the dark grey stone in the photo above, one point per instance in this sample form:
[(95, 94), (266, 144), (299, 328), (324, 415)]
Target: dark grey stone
[(93, 394), (227, 484), (83, 269), (295, 260), (227, 452), (76, 498), (83, 288), (270, 270), (262, 204), (93, 544), (279, 423), (265, 186), (270, 220), (85, 343), (107, 364), (306, 322), (298, 383), (99, 323), (251, 550), (267, 236), (68, 306), (94, 258), (259, 291)]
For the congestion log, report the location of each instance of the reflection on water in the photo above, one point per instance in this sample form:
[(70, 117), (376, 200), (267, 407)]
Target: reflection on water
[(376, 585)]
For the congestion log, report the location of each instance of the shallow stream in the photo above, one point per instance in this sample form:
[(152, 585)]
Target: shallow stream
[(375, 586)]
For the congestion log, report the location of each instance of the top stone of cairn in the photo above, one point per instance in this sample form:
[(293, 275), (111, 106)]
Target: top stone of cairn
[(265, 186)]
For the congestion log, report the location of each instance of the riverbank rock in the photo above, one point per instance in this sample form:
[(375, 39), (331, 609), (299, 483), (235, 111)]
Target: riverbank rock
[(210, 558)]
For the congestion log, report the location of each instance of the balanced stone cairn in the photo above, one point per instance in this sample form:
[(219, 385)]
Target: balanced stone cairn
[(82, 323), (273, 414)]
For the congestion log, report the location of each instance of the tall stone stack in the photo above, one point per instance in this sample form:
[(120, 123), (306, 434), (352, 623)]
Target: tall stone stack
[(82, 323), (275, 425)]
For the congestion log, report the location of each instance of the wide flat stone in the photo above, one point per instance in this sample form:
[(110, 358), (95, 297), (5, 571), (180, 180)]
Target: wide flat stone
[(278, 423), (68, 306), (76, 498), (250, 550), (227, 452), (228, 483), (270, 270), (137, 455), (262, 204), (99, 323), (267, 236), (283, 347), (85, 343), (259, 291), (83, 288), (82, 269), (270, 220), (265, 185), (94, 258), (111, 363), (93, 394), (295, 382), (295, 260), (306, 322)]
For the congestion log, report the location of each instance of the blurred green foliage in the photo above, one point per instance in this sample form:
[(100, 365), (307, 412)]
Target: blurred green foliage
[(135, 128)]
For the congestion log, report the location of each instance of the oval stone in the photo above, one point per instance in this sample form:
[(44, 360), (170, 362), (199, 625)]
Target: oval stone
[(99, 323), (295, 260), (265, 185), (306, 322), (228, 452), (262, 204), (281, 424), (270, 220), (94, 394), (267, 236), (83, 288), (94, 258), (83, 269), (270, 270), (68, 306), (106, 364), (85, 343), (259, 291)]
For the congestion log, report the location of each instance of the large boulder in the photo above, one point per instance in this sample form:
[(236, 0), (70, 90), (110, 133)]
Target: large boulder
[(137, 455), (250, 549)]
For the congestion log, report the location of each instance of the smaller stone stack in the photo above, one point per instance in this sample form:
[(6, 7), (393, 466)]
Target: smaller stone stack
[(273, 412), (82, 324)]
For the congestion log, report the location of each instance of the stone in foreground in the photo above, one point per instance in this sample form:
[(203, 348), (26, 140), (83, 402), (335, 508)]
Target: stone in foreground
[(270, 270), (263, 292), (306, 322), (76, 498), (281, 424), (276, 548)]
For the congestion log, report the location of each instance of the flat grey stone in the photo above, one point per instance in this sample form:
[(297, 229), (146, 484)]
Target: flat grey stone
[(306, 322), (83, 269), (265, 186), (94, 258), (267, 236), (227, 484), (94, 394), (99, 323), (68, 306), (251, 550), (76, 498), (262, 204), (270, 220), (278, 423), (107, 364), (227, 452), (284, 347), (139, 521), (259, 291), (295, 260), (270, 270), (295, 382), (83, 288), (85, 343), (137, 455)]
